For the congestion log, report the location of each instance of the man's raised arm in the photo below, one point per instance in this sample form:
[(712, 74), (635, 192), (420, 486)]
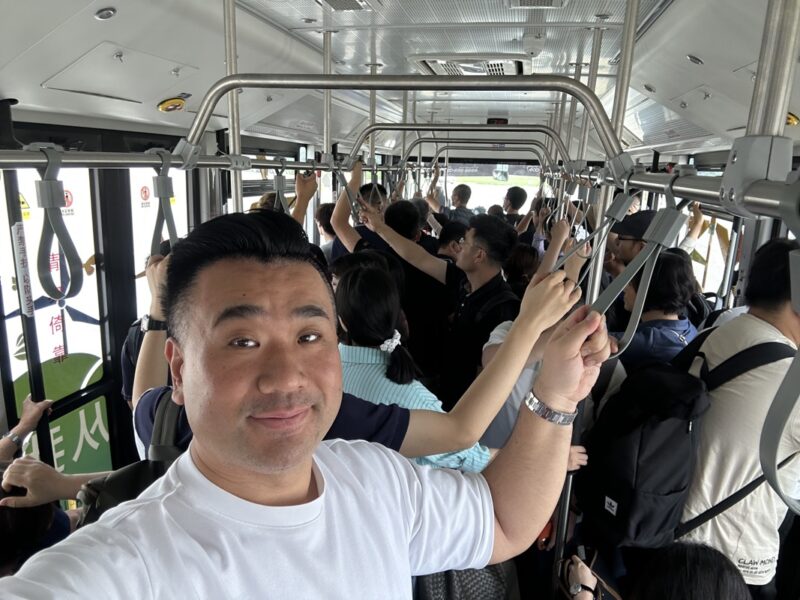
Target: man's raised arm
[(430, 197), (151, 366), (305, 187), (433, 433), (409, 251), (526, 477), (340, 219)]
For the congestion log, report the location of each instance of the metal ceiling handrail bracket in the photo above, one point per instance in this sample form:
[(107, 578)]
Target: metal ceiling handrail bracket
[(535, 144), (619, 162), (448, 127), (440, 151)]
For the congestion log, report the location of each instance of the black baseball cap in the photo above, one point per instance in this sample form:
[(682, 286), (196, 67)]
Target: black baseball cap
[(635, 225)]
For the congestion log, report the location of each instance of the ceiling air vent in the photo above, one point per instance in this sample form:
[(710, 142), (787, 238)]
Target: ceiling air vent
[(471, 65), (345, 5), (536, 4)]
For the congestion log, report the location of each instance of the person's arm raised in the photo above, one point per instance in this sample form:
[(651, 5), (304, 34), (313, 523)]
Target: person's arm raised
[(431, 433), (31, 414), (305, 188), (430, 197), (558, 235), (526, 477), (525, 222), (409, 251), (151, 366), (340, 219)]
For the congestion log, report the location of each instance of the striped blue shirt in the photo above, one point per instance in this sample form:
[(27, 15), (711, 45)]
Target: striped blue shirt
[(364, 375)]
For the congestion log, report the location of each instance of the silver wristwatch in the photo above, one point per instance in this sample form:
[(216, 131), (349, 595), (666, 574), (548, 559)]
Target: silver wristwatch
[(13, 437), (539, 408)]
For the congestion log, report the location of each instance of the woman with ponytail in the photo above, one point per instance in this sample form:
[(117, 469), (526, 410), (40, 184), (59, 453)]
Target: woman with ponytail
[(377, 366)]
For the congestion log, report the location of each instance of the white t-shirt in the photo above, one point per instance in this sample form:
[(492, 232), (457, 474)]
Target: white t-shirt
[(747, 533), (379, 520), (501, 427)]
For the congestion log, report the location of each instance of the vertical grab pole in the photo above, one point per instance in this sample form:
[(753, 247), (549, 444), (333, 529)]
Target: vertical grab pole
[(773, 86), (234, 131), (617, 120), (594, 63), (573, 107), (23, 275), (326, 186), (404, 141), (373, 103)]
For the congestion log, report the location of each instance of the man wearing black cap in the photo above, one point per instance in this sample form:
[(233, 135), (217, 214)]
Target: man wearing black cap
[(630, 234)]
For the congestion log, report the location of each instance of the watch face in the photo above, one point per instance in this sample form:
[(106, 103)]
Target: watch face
[(574, 589)]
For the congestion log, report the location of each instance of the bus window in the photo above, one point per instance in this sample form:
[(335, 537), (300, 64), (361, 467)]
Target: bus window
[(68, 330), (143, 211)]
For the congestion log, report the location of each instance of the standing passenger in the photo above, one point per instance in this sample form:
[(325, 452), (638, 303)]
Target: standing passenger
[(485, 299), (258, 498), (747, 533)]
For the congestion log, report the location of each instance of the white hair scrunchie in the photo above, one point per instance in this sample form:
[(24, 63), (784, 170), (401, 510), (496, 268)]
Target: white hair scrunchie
[(392, 343)]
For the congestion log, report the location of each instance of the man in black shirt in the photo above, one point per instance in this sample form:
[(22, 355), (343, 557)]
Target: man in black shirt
[(485, 299), (514, 200)]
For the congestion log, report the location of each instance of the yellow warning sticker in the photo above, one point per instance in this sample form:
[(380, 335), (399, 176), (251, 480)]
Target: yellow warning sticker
[(26, 208)]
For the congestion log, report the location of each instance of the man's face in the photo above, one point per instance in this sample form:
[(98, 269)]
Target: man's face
[(257, 366), (506, 204), (627, 248), (470, 252)]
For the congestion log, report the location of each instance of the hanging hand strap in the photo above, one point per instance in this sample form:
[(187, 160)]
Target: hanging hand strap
[(162, 189), (50, 195), (280, 189)]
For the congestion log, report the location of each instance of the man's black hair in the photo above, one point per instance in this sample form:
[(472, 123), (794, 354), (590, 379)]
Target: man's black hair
[(373, 193), (403, 217), (368, 303), (424, 210), (672, 285), (495, 210), (516, 197), (452, 231), (768, 285), (262, 235), (463, 192), (495, 235), (323, 217), (686, 571)]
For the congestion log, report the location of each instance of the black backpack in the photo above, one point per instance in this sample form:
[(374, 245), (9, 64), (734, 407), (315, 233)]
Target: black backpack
[(643, 448), (101, 494)]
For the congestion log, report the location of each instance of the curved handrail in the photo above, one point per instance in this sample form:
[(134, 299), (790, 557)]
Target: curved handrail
[(516, 142), (553, 83), (446, 148)]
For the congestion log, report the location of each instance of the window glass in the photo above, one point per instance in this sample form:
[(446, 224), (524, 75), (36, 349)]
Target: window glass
[(79, 440), (144, 210), (489, 182), (69, 337), (68, 330)]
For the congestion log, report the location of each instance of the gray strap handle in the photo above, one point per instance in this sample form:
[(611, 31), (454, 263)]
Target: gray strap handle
[(658, 236), (162, 189), (50, 195), (280, 189)]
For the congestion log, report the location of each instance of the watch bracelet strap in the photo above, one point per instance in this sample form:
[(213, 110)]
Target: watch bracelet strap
[(550, 415)]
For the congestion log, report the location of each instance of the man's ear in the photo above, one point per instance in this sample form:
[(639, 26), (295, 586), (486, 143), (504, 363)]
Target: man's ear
[(174, 355)]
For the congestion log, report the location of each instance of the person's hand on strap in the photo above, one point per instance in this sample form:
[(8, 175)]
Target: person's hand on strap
[(572, 359)]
